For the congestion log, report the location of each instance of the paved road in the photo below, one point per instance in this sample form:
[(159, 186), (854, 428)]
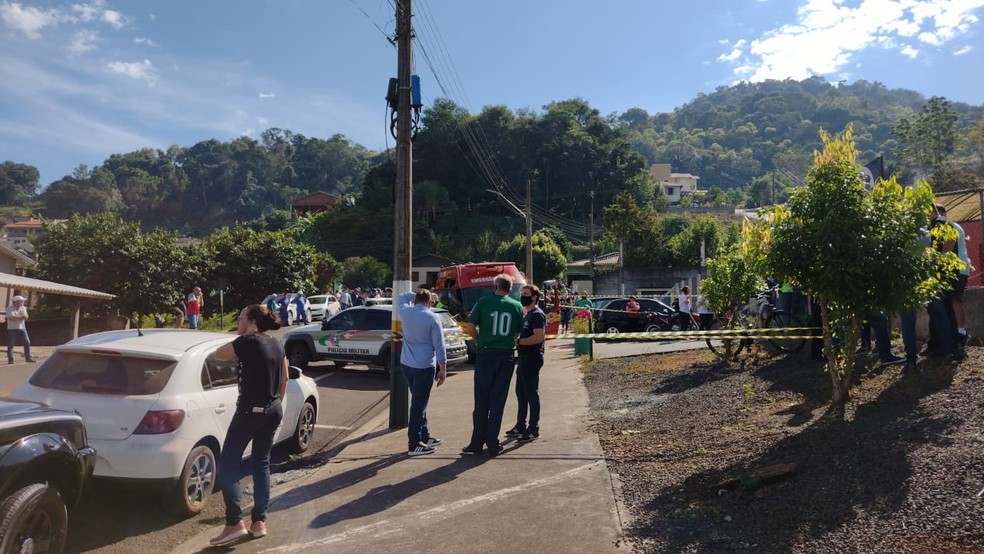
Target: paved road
[(114, 519)]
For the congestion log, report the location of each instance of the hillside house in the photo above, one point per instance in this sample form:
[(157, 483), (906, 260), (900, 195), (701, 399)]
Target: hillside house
[(675, 185), (313, 203), (20, 233)]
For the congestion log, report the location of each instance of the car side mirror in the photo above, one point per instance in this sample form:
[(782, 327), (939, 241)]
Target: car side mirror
[(294, 372)]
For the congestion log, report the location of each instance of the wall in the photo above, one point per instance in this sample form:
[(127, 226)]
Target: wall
[(974, 319), (645, 278)]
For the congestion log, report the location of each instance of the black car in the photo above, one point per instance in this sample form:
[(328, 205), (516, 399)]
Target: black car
[(44, 462), (653, 316)]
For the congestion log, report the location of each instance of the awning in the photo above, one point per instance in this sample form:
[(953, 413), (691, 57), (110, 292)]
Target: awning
[(38, 285)]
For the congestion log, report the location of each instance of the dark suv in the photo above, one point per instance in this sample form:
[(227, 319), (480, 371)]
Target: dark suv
[(653, 316), (44, 462)]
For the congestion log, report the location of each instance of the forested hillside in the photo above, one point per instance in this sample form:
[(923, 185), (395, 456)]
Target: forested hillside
[(469, 168)]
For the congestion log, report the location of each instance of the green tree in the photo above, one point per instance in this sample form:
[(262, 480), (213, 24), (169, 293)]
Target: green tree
[(685, 246), (638, 230), (855, 252), (103, 252), (365, 271), (18, 182), (249, 264), (548, 260), (729, 284), (928, 138)]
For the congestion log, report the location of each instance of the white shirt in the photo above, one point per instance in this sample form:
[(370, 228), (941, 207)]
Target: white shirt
[(684, 303), (13, 324)]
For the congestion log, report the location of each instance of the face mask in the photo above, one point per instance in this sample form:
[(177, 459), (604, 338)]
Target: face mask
[(526, 300)]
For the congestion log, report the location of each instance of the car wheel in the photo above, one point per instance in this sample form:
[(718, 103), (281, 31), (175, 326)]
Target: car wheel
[(298, 354), (305, 429), (33, 519), (653, 328), (197, 481), (341, 365), (613, 330)]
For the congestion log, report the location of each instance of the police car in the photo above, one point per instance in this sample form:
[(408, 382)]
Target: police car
[(361, 335)]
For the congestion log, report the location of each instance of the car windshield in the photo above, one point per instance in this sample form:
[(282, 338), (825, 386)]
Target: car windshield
[(447, 321), (317, 300), (102, 374)]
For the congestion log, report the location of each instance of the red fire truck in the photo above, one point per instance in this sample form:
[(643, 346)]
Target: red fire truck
[(460, 286)]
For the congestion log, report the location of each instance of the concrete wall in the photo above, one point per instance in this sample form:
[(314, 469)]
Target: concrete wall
[(645, 278)]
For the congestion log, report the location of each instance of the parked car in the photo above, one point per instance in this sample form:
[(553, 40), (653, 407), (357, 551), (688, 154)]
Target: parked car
[(361, 335), (157, 404), (321, 306), (291, 307), (653, 316), (45, 461)]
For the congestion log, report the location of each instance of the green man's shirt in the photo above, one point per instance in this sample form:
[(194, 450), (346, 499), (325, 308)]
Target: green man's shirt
[(499, 319)]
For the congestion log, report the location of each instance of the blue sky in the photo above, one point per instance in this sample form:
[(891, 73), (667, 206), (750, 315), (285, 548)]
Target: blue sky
[(83, 79)]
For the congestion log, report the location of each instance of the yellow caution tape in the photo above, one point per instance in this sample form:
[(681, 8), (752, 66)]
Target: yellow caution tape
[(735, 334)]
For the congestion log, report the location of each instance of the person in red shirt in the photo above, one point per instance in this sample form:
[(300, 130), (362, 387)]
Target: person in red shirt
[(195, 304), (632, 312)]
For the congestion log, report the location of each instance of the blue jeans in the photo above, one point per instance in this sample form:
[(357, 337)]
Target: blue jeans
[(12, 335), (908, 319), (528, 390), (883, 338), (421, 381), (940, 328), (246, 426), (193, 321), (493, 371)]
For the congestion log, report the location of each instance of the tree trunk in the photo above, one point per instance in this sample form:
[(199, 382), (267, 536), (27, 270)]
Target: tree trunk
[(840, 358)]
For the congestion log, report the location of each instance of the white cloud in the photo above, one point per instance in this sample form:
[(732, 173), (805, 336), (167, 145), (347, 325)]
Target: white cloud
[(267, 95), (83, 41), (828, 33), (909, 51), (28, 19), (145, 40), (965, 50), (141, 71)]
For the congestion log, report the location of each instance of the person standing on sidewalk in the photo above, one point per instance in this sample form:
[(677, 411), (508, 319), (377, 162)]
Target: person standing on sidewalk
[(262, 374), (530, 349), (17, 328), (195, 304), (423, 351), (494, 323)]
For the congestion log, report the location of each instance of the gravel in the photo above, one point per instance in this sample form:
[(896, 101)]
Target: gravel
[(897, 469)]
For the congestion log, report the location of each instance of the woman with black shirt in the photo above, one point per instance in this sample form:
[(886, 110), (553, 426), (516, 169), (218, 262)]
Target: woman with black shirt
[(262, 374)]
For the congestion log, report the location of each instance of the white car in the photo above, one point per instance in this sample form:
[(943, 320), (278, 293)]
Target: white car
[(157, 404), (322, 306)]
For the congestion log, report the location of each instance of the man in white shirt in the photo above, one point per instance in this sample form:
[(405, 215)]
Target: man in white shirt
[(17, 327)]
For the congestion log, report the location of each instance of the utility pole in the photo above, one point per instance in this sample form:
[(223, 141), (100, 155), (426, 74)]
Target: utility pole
[(591, 244), (529, 233), (402, 230)]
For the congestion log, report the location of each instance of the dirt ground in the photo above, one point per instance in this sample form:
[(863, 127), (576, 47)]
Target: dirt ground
[(753, 458)]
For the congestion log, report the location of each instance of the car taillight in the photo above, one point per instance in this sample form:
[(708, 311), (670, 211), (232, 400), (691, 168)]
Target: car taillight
[(159, 422)]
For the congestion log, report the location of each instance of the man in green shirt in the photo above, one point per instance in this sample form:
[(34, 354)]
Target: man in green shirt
[(494, 323)]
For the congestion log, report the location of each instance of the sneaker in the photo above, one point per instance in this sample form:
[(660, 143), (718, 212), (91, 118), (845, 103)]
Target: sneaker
[(493, 452), (31, 360), (434, 441), (471, 450), (515, 431), (958, 354), (529, 436), (257, 529), (892, 359), (420, 450), (962, 340), (229, 535)]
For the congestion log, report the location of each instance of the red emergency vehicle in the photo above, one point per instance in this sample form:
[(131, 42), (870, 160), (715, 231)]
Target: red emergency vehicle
[(460, 286)]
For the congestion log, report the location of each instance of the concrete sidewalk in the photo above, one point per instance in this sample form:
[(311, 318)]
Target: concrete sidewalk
[(554, 494)]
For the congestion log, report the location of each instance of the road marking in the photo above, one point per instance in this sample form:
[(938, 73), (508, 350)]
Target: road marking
[(388, 527), (333, 427), (321, 378)]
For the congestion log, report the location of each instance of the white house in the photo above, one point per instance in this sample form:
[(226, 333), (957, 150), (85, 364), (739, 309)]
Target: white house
[(675, 185)]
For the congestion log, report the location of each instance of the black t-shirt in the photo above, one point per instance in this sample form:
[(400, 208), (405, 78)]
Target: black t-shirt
[(261, 359), (535, 319)]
